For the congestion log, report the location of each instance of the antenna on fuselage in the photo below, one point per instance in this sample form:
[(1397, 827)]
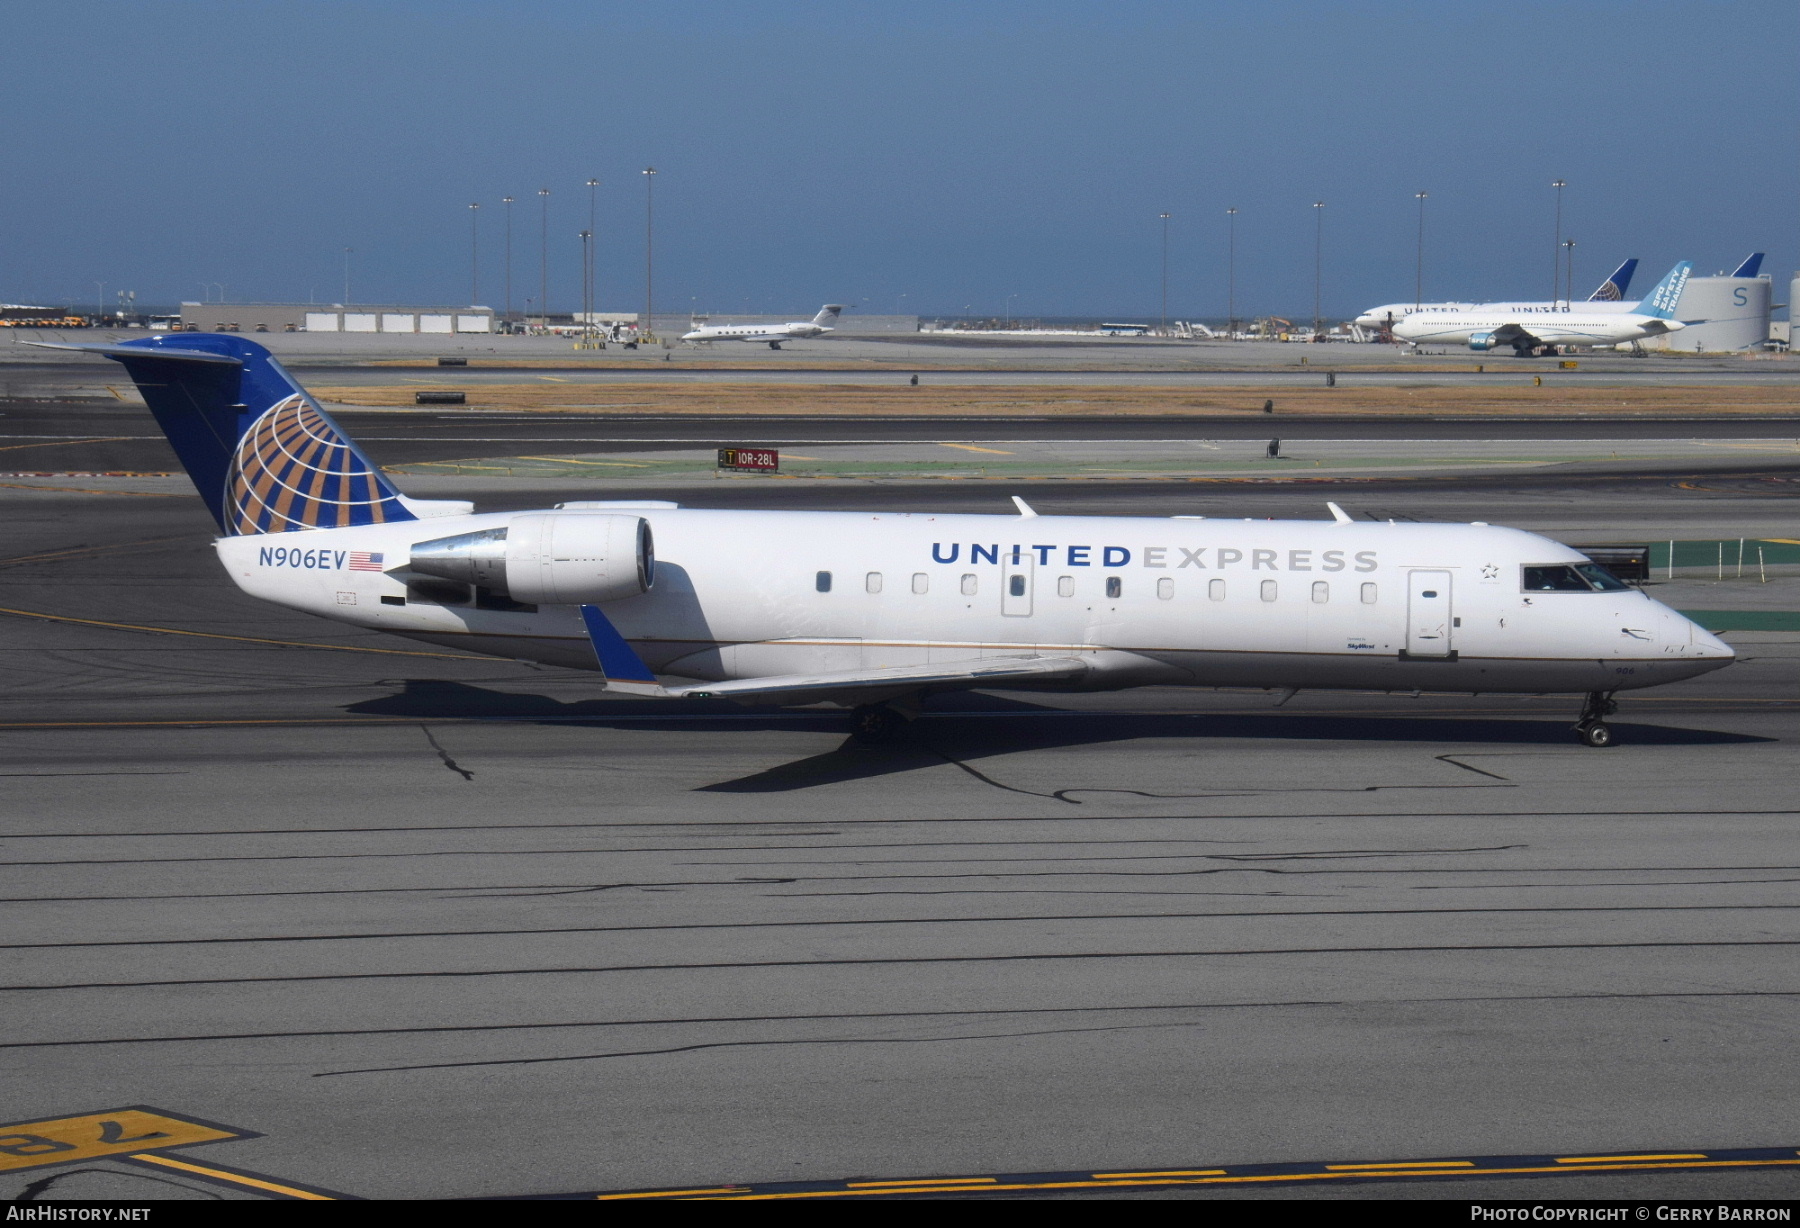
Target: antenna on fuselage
[(1338, 514), (1025, 512)]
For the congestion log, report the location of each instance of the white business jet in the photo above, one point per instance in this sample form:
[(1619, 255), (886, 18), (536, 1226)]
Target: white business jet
[(1608, 296), (773, 334), (1484, 328), (876, 611)]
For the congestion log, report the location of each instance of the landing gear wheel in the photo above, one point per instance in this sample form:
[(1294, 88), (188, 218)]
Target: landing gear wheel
[(876, 724), (1594, 733), (1591, 728)]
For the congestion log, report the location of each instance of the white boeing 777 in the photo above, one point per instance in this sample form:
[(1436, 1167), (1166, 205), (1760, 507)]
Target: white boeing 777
[(1485, 328), (773, 334), (1608, 297), (876, 611)]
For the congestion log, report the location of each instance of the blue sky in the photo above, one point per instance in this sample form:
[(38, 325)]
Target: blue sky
[(933, 157)]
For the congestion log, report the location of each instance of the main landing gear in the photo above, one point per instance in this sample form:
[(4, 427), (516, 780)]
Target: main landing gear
[(1591, 728), (877, 724), (774, 345)]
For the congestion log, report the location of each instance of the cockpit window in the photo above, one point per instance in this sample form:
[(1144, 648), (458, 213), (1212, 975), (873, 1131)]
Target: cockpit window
[(1601, 578), (1561, 578)]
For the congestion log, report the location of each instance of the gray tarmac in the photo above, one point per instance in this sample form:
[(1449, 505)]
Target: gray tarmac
[(437, 926)]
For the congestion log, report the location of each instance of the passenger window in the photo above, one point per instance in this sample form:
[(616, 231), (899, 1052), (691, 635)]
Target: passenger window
[(1065, 586), (1554, 580), (872, 582), (1015, 585), (1368, 594), (968, 586), (1165, 588), (1321, 592), (921, 581), (1215, 590), (1268, 590), (1114, 586), (822, 581)]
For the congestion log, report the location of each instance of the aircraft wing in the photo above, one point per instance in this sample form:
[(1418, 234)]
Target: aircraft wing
[(627, 674), (1507, 334)]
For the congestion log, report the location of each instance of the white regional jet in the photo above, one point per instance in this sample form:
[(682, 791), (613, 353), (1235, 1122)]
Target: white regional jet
[(1483, 328), (876, 611), (774, 334), (1608, 296)]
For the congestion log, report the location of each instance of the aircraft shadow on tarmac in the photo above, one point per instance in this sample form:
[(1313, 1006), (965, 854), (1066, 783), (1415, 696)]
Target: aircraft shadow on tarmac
[(955, 732)]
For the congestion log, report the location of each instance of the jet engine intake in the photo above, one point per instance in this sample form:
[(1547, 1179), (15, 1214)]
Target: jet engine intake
[(548, 558)]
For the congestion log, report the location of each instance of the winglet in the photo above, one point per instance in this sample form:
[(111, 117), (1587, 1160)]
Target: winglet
[(1025, 512), (1338, 514), (623, 668)]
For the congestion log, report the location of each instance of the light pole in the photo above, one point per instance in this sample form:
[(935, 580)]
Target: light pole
[(1318, 261), (587, 283), (1569, 279), (1555, 295), (347, 252), (474, 258), (544, 257), (508, 202), (99, 302), (1165, 270), (646, 333), (1419, 273), (592, 295), (1231, 272)]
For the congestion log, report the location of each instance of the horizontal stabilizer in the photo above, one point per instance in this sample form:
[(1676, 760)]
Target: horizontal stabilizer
[(137, 352)]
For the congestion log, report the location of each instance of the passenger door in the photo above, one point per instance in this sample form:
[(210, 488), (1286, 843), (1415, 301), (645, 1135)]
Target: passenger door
[(1429, 620)]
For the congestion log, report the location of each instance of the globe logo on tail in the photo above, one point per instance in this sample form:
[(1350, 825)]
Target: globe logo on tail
[(293, 471)]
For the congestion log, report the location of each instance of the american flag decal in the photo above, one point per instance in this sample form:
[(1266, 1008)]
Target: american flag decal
[(362, 560)]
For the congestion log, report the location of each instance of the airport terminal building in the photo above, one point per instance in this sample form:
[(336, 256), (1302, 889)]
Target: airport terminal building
[(333, 318)]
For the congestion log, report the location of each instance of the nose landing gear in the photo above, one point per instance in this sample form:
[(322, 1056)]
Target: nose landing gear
[(1591, 728)]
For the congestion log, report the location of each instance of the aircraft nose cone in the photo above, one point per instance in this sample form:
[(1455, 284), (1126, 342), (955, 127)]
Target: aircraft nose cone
[(1710, 647)]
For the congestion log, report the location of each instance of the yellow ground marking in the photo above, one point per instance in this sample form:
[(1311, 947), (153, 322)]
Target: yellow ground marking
[(1618, 1159), (220, 1174), (63, 443), (553, 379), (569, 460), (113, 390), (1177, 1172), (59, 1140), (1253, 1179), (83, 490), (969, 447), (1786, 541), (1351, 1168), (242, 639)]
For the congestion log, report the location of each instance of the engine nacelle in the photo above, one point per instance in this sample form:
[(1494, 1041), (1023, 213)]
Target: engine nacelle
[(1481, 341), (548, 558)]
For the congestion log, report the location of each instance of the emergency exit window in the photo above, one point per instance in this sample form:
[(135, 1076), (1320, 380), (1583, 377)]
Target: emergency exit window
[(1215, 590), (1165, 588), (872, 582), (1321, 592), (969, 585), (1269, 590), (1065, 586), (921, 582), (1368, 594)]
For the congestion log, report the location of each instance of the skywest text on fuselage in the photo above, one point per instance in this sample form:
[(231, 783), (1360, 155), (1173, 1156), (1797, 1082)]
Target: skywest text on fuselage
[(1159, 557)]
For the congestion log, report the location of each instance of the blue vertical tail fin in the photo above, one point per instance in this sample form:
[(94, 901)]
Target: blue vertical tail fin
[(1660, 303), (1617, 286), (1751, 267), (262, 453)]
